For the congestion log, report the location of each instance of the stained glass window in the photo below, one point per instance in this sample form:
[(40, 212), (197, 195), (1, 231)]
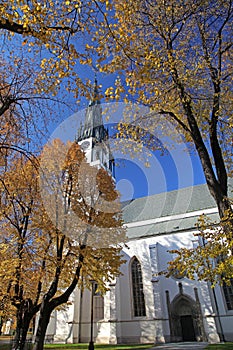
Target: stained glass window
[(137, 287)]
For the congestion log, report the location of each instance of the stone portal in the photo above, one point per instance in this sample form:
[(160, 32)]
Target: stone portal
[(185, 317)]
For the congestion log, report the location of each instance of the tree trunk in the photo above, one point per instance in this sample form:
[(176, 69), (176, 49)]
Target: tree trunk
[(50, 303), (21, 331), (25, 314), (216, 182), (44, 318)]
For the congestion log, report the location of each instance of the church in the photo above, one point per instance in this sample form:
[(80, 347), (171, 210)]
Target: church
[(141, 306)]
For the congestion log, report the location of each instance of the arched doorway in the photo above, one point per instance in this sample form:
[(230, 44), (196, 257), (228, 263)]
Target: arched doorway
[(185, 318), (187, 328)]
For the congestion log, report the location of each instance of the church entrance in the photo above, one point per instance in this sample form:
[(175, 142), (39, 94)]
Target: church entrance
[(185, 318), (187, 328)]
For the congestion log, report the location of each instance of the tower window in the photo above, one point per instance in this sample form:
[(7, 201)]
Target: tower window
[(137, 287), (98, 307), (98, 304), (97, 155), (228, 293)]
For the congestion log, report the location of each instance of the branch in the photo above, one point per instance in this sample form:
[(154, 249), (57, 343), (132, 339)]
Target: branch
[(111, 32), (20, 29), (65, 296), (43, 265), (5, 105), (171, 114), (195, 132), (13, 27), (29, 155), (215, 74)]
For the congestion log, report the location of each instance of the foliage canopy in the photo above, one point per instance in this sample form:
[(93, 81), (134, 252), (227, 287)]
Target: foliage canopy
[(176, 57)]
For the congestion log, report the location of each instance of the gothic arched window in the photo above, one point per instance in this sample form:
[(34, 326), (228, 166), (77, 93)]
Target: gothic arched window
[(137, 288), (98, 304), (228, 293)]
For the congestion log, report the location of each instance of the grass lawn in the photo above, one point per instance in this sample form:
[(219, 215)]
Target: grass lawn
[(97, 346), (85, 347), (226, 346)]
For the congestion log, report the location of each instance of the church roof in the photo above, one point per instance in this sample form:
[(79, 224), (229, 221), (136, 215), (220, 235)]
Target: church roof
[(168, 212), (187, 199)]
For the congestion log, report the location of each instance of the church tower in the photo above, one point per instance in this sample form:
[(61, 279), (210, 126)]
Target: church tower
[(93, 137)]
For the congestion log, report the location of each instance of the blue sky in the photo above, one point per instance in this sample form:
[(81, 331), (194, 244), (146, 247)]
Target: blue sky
[(175, 169), (132, 180), (170, 171), (178, 167)]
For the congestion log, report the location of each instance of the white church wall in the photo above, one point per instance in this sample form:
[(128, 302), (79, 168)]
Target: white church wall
[(155, 290), (223, 315), (124, 311), (77, 314), (64, 323), (118, 324), (129, 328), (86, 317), (227, 326), (176, 241), (106, 328)]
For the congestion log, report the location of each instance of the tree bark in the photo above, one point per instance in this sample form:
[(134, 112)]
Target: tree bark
[(217, 183), (50, 302), (21, 335), (25, 314), (44, 318)]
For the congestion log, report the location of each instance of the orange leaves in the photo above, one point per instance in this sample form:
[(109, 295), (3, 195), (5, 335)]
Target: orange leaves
[(79, 199), (150, 43), (80, 202), (211, 260), (48, 27), (106, 185), (45, 239)]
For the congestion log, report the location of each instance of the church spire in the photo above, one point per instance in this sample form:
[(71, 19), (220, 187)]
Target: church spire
[(93, 136), (95, 99), (93, 124)]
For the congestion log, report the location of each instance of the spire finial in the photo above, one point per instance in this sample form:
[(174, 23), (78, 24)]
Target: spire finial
[(95, 96)]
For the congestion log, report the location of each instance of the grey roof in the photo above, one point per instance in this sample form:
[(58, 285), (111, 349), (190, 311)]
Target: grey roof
[(181, 201), (164, 205), (166, 227)]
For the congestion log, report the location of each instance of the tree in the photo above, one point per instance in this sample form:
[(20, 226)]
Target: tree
[(38, 53), (52, 35), (23, 246), (211, 260), (53, 234), (25, 114), (75, 197), (176, 58)]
